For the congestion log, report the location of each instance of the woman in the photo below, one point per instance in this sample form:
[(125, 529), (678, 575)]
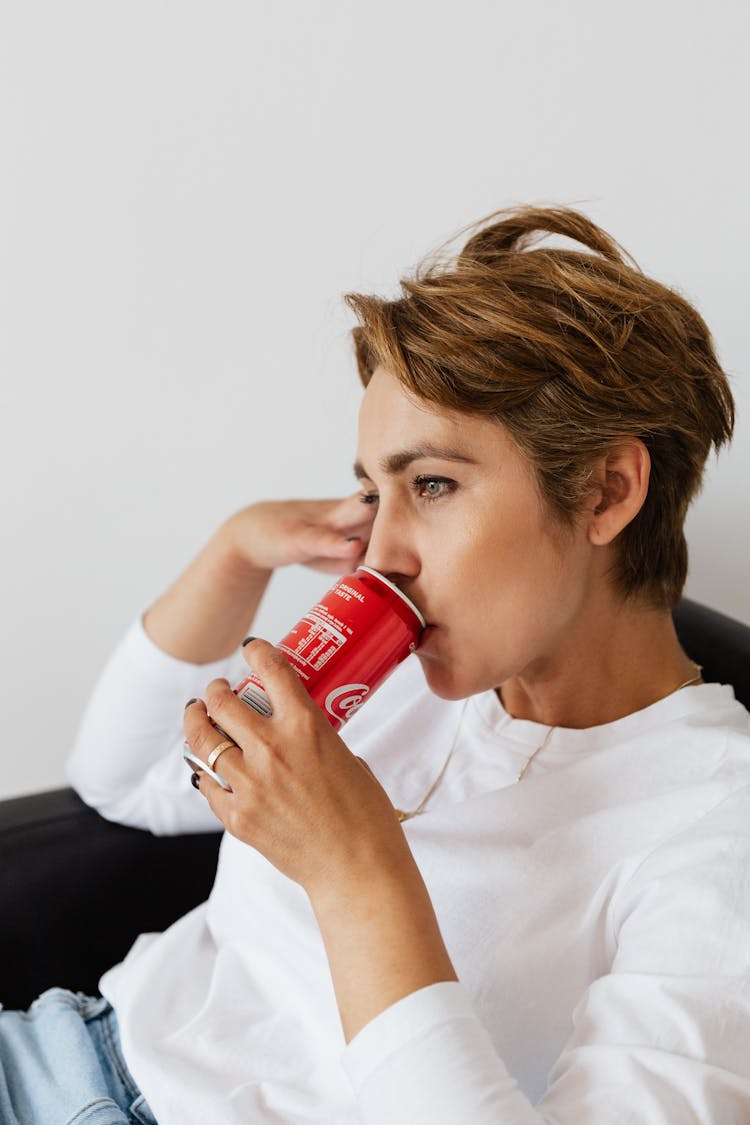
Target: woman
[(523, 898)]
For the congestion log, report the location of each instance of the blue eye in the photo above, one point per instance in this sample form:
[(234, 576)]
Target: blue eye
[(432, 488), (426, 488)]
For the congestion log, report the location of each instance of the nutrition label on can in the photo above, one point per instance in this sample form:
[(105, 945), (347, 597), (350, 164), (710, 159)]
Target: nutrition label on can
[(317, 638)]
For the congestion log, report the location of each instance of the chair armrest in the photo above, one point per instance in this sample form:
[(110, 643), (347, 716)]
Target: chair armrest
[(717, 642), (76, 890)]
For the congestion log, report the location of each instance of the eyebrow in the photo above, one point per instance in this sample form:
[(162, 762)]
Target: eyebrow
[(395, 463)]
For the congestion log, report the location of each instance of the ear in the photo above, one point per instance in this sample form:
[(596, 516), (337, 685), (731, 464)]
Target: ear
[(620, 481)]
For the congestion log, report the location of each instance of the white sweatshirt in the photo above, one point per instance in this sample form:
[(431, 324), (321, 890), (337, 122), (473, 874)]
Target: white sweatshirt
[(597, 914)]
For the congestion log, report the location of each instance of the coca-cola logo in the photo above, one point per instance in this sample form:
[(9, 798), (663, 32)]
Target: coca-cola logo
[(342, 702)]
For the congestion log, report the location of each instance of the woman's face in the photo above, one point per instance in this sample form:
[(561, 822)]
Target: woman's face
[(460, 527)]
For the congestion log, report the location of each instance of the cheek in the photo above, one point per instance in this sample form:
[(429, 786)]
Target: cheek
[(489, 563), (507, 594), (498, 564)]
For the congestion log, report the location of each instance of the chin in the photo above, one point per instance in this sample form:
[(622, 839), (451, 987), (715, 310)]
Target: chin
[(442, 683)]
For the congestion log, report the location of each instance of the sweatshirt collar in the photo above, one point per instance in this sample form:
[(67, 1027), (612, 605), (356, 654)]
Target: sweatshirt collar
[(679, 705)]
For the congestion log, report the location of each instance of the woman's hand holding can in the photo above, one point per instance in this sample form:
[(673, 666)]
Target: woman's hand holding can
[(298, 795)]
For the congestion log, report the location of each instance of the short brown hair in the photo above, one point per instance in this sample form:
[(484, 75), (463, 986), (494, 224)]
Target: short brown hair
[(572, 351)]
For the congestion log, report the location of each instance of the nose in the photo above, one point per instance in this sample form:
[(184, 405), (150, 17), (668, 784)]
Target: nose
[(390, 549)]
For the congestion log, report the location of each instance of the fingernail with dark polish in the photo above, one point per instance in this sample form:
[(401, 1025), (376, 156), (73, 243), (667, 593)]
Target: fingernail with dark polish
[(247, 641), (189, 702), (195, 779)]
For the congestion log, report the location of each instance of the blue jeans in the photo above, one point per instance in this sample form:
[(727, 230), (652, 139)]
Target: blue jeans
[(61, 1064)]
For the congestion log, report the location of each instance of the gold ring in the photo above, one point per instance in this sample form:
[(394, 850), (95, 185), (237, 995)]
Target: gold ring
[(219, 750)]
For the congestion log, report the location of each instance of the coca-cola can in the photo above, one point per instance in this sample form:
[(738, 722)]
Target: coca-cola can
[(346, 645), (343, 648)]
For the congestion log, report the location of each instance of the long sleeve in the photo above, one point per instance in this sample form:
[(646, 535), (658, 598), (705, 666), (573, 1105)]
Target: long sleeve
[(662, 1037), (126, 759)]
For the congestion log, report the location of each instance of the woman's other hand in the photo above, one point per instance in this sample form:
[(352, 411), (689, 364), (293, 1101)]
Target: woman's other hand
[(325, 535), (207, 611)]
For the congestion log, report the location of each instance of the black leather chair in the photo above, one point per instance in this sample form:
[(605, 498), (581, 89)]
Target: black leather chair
[(76, 890)]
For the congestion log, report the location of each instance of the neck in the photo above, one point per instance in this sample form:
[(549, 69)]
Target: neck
[(609, 665)]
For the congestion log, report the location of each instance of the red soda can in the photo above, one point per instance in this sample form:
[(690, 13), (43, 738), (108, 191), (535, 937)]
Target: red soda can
[(346, 645)]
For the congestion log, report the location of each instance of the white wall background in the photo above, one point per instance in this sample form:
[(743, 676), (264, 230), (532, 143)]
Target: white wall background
[(187, 189)]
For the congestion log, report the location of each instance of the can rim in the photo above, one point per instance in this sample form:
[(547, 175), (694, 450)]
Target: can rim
[(401, 594)]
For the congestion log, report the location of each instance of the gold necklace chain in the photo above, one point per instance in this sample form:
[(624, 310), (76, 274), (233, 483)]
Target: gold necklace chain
[(403, 815), (695, 680), (530, 759)]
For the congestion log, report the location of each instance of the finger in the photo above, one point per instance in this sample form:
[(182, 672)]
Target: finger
[(359, 517), (317, 543), (198, 768), (351, 513), (220, 800), (203, 737), (282, 684), (345, 520), (241, 722)]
